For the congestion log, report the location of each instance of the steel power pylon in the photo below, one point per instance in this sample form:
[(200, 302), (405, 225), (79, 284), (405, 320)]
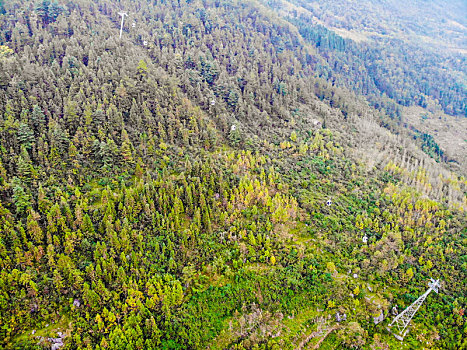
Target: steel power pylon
[(402, 320), (123, 14)]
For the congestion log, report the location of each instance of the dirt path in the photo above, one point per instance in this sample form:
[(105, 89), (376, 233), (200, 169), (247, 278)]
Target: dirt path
[(333, 328), (317, 333)]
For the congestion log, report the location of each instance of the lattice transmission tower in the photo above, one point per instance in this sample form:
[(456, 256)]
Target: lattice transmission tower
[(402, 320), (123, 14)]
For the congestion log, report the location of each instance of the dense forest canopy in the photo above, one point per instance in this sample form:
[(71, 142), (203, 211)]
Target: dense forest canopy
[(386, 49), (411, 66), (227, 175), (442, 22)]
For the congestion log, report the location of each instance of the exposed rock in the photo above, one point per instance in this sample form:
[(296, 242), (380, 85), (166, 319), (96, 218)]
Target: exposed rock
[(57, 343), (379, 318), (56, 346), (76, 303), (55, 340), (34, 308), (340, 318), (317, 124), (394, 311)]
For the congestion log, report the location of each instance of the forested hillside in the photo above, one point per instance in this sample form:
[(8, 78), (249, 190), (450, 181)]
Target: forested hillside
[(396, 58), (200, 183)]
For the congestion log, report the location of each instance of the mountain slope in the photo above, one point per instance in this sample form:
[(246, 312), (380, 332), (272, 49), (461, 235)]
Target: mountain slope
[(173, 195), (397, 60)]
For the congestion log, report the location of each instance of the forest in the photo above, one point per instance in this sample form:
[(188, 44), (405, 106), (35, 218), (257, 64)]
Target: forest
[(393, 57), (206, 181)]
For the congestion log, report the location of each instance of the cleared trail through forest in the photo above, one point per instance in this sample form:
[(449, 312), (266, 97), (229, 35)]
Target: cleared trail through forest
[(333, 328), (317, 333)]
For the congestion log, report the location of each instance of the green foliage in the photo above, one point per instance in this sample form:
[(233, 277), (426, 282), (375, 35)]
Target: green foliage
[(48, 11), (137, 214), (429, 146), (21, 198)]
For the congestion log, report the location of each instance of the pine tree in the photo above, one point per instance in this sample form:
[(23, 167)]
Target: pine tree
[(25, 168), (3, 176), (142, 69), (34, 229), (25, 136), (38, 119), (21, 197), (87, 228), (126, 149), (135, 117)]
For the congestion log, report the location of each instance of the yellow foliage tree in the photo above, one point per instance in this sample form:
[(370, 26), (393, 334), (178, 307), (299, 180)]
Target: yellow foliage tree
[(5, 51)]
